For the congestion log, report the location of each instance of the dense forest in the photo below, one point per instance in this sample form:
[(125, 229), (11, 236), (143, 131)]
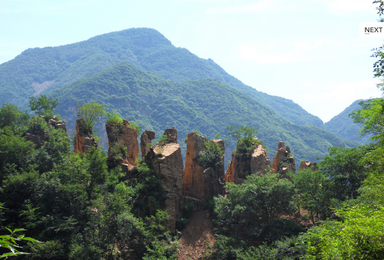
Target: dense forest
[(79, 206)]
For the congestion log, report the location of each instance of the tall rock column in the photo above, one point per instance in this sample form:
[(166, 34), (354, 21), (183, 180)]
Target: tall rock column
[(214, 176), (166, 160), (283, 161), (123, 139), (243, 165), (84, 138), (145, 141), (201, 183), (193, 181)]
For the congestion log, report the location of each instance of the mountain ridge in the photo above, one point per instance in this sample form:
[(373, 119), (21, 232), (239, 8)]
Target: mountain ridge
[(206, 105), (144, 48)]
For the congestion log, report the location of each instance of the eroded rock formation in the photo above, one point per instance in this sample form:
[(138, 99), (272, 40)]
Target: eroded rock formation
[(283, 161), (39, 137), (146, 141), (122, 139), (193, 181), (58, 124), (308, 164), (243, 165), (199, 183), (84, 138), (167, 163), (171, 134)]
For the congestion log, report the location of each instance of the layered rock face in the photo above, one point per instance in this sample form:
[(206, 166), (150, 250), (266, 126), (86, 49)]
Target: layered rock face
[(123, 139), (243, 165), (283, 161), (308, 164), (84, 141), (167, 163), (146, 141), (38, 138)]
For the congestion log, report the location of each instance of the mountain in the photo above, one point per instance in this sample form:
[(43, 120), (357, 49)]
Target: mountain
[(43, 70), (344, 127), (206, 105)]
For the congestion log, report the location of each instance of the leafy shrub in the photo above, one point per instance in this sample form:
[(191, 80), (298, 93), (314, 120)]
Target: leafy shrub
[(164, 140), (245, 139), (211, 155), (91, 113), (259, 198), (114, 118)]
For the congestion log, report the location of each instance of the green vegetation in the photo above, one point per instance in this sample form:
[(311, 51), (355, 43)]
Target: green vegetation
[(43, 106), (74, 203), (157, 104), (134, 125), (10, 242), (114, 118), (343, 126), (211, 155), (345, 193), (245, 137), (144, 48), (91, 113)]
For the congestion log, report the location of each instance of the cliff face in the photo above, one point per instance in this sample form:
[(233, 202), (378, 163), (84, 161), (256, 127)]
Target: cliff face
[(167, 162), (283, 161), (84, 142), (122, 139), (243, 165)]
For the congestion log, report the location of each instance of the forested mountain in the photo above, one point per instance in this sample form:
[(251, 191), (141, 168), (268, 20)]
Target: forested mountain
[(343, 126), (206, 105), (46, 69)]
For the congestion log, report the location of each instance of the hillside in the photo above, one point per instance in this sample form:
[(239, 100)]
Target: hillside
[(42, 70), (205, 105), (344, 127)]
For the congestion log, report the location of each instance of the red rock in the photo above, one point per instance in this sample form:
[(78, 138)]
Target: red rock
[(84, 142), (243, 165), (283, 161), (123, 136)]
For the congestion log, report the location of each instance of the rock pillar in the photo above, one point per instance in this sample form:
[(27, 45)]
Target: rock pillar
[(84, 139)]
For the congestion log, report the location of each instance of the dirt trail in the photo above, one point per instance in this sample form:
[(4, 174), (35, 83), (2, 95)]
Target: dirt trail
[(195, 236)]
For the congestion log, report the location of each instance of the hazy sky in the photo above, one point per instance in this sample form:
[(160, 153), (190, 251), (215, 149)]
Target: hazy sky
[(308, 51)]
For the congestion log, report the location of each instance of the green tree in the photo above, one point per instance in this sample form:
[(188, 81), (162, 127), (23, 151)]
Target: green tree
[(245, 138), (211, 155), (43, 105), (252, 208), (343, 168), (13, 149), (91, 113), (11, 115), (312, 191)]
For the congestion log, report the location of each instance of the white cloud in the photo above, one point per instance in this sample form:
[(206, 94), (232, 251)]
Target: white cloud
[(239, 9)]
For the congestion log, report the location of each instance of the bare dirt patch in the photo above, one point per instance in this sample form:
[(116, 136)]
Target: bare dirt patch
[(196, 236)]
